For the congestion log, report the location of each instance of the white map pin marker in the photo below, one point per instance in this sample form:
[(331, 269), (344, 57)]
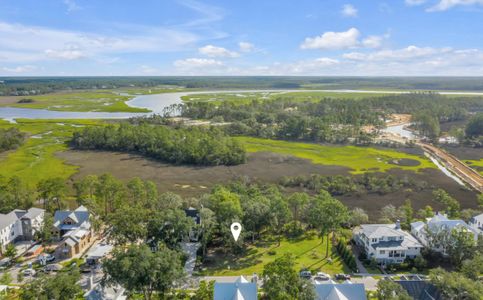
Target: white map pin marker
[(236, 230)]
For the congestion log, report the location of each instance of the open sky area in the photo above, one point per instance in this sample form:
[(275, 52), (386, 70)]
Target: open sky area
[(214, 37)]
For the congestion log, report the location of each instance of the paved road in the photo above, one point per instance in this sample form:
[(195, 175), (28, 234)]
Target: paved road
[(456, 166)]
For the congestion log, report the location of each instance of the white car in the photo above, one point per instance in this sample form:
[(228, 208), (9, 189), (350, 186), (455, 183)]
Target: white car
[(320, 276), (29, 272)]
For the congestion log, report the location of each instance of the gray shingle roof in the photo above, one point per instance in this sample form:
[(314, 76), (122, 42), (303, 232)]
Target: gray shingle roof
[(33, 212), (8, 219), (420, 290), (14, 215), (80, 215)]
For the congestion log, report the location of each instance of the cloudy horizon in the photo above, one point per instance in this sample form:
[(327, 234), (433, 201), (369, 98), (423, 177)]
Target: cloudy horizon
[(188, 37)]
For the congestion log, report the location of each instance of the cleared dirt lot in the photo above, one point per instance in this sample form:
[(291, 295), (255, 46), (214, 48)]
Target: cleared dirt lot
[(265, 167)]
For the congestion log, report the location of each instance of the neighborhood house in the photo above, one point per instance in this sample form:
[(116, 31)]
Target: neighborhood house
[(339, 291), (439, 227), (387, 243), (73, 228), (20, 225), (241, 289), (477, 223)]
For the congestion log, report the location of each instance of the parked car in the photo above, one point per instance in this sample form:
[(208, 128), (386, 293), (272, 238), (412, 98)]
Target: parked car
[(306, 274), (342, 276), (320, 276), (28, 272), (52, 268), (5, 262), (48, 258)]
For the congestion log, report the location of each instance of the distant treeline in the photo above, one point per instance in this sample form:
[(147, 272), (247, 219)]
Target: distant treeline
[(330, 120), (42, 85), (10, 139), (198, 146)]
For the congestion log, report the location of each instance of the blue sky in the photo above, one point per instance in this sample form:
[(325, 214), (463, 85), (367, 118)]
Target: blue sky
[(264, 37)]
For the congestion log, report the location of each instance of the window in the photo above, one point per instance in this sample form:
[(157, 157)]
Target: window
[(382, 252), (391, 238), (374, 240)]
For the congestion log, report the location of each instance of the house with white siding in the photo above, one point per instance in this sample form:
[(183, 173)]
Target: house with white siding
[(439, 225), (20, 225), (477, 223), (387, 243)]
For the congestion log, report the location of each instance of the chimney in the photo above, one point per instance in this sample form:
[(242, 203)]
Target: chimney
[(398, 224)]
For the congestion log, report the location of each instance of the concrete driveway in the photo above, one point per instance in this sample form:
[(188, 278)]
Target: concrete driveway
[(190, 249)]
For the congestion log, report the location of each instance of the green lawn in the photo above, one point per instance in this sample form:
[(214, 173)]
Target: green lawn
[(35, 159), (309, 252), (101, 101), (358, 159), (244, 97), (475, 164)]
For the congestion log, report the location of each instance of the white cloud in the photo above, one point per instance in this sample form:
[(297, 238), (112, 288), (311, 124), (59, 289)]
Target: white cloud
[(408, 61), (348, 10), (20, 69), (343, 40), (213, 51), (30, 43), (333, 40), (414, 2), (408, 53), (68, 54), (197, 63), (208, 13), (246, 47), (148, 70), (71, 5), (373, 41), (443, 5)]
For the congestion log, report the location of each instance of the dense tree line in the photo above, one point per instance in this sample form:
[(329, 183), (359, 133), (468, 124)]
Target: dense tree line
[(198, 146), (346, 185), (14, 193), (35, 85), (11, 138), (329, 120), (473, 132), (324, 119)]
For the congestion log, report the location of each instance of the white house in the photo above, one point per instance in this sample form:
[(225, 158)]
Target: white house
[(387, 243), (477, 223), (20, 225), (440, 225)]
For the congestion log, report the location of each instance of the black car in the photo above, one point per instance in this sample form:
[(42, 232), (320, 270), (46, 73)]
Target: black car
[(342, 276)]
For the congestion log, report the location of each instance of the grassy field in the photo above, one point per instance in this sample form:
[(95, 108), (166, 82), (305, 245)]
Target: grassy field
[(359, 159), (35, 159), (476, 164), (101, 101), (309, 252), (244, 98), (150, 91)]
